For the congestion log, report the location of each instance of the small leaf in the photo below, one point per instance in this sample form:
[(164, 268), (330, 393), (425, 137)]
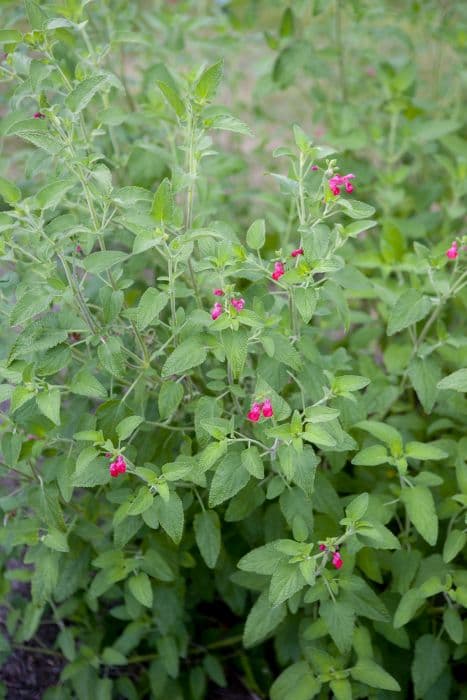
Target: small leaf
[(369, 673), (256, 234), (140, 587), (297, 682), (407, 608), (424, 451), (9, 191), (208, 536), (431, 657), (170, 396), (103, 260), (209, 81), (262, 620), (252, 462), (83, 93), (456, 381), (150, 306), (410, 307), (48, 403), (127, 426), (188, 354), (286, 580), (455, 543), (421, 511), (357, 507), (163, 205), (340, 619), (371, 456)]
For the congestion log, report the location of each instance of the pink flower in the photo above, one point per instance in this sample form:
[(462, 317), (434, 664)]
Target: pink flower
[(452, 252), (267, 409), (254, 414), (337, 181), (238, 304), (297, 252), (322, 548), (79, 249), (314, 167), (217, 310), (117, 467), (337, 560), (278, 271), (218, 292), (39, 115)]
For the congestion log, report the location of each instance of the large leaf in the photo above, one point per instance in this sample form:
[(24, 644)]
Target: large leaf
[(409, 308), (188, 354), (262, 620)]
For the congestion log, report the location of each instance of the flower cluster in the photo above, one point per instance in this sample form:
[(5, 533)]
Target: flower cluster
[(337, 181), (337, 560), (265, 408), (118, 466), (452, 252), (218, 308), (279, 270)]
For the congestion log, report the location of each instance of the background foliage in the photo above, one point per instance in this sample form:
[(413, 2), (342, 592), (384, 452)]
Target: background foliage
[(148, 157)]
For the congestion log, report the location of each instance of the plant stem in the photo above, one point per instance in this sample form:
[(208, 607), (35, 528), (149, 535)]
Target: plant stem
[(340, 50)]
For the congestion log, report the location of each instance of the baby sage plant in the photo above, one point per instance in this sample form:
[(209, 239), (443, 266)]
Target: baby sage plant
[(227, 449)]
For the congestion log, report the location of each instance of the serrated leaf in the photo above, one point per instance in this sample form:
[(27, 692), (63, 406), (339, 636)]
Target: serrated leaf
[(410, 307), (297, 682), (407, 608), (262, 620), (84, 383), (306, 301), (421, 511), (425, 375), (173, 99), (256, 234), (103, 260), (150, 306), (187, 355), (356, 209), (140, 587), (29, 305), (371, 456), (236, 348), (229, 478), (171, 516), (430, 659), (286, 580), (163, 205), (208, 536), (456, 381), (170, 396), (48, 403), (369, 673), (252, 462), (357, 507), (81, 96), (209, 81), (340, 620), (127, 426)]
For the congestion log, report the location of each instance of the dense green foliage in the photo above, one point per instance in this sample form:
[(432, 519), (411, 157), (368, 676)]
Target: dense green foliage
[(286, 499)]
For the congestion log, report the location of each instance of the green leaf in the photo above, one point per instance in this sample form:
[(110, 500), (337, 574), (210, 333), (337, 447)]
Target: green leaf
[(103, 260), (408, 606), (162, 209), (50, 196), (111, 357), (456, 381), (10, 36), (150, 306), (127, 426), (286, 580), (188, 354), (81, 96), (262, 620), (421, 511), (209, 81), (208, 536), (318, 435), (236, 348), (431, 657), (357, 507), (352, 230), (170, 396), (112, 657), (369, 673), (48, 403), (84, 383), (230, 477), (340, 620), (356, 209), (227, 122), (156, 566), (252, 462), (38, 137), (425, 375), (29, 305), (20, 396), (348, 382), (342, 689), (410, 307), (172, 98), (424, 451), (9, 191), (11, 448), (297, 682), (140, 587), (306, 300), (287, 23), (434, 129), (453, 624), (56, 540), (171, 516), (262, 560), (371, 456), (455, 543), (256, 234), (384, 432)]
